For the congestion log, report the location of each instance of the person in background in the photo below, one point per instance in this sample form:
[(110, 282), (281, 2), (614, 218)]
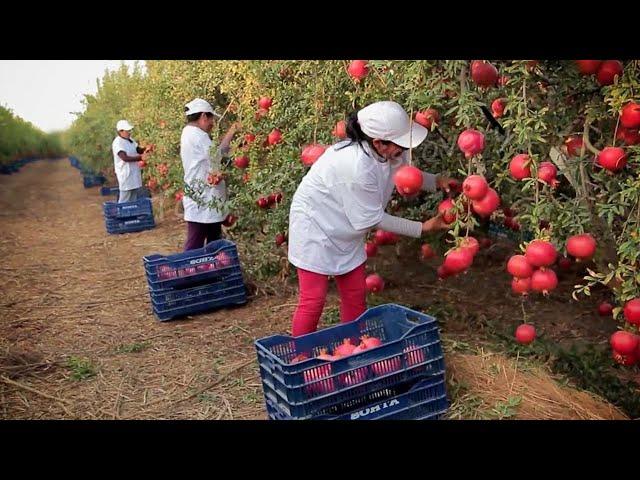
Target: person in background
[(126, 155), (204, 224), (341, 198)]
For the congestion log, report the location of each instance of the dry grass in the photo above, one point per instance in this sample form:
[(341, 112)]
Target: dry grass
[(499, 387)]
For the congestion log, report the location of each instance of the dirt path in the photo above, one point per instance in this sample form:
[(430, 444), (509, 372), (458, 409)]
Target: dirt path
[(77, 335)]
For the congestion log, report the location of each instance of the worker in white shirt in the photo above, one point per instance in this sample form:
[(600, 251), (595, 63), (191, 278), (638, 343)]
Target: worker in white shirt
[(204, 220), (126, 155), (340, 199)]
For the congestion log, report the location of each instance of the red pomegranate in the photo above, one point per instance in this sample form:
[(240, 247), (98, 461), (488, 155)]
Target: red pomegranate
[(340, 130), (471, 142), (370, 249), (475, 187), (605, 309), (544, 281), (498, 106), (626, 360), (317, 379), (521, 286), (358, 69), (630, 116), (443, 273), (458, 260), (241, 162), (230, 220), (370, 342), (624, 343), (547, 172), (483, 74), (384, 367), (374, 283), (525, 334), (613, 159), (447, 209), (574, 145), (345, 348), (427, 117), (382, 237), (354, 377), (632, 311), (471, 244), (265, 103), (488, 204), (564, 263), (519, 267), (408, 180), (608, 71), (280, 239), (629, 137), (540, 253), (274, 137), (311, 153), (519, 166), (426, 252), (582, 246), (588, 67), (414, 355)]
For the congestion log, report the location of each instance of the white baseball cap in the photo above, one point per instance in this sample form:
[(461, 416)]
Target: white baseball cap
[(123, 125), (388, 121), (199, 105)]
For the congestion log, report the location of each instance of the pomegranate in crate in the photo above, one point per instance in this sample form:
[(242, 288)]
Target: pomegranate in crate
[(353, 377), (414, 355), (318, 375), (205, 267), (165, 272), (384, 367), (187, 271), (223, 260)]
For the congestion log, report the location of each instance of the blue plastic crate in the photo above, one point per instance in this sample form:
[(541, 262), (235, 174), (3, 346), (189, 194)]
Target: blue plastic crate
[(411, 349), (129, 225), (114, 210), (221, 287), (74, 162), (93, 180), (424, 399), (106, 191), (218, 300), (217, 259)]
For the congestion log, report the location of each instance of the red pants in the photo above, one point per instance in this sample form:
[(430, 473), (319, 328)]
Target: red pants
[(313, 293)]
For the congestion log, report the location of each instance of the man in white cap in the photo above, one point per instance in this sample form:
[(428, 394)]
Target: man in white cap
[(126, 155), (342, 197), (204, 217)]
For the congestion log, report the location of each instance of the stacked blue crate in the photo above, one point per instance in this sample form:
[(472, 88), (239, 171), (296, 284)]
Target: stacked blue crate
[(195, 281), (128, 217), (403, 378)]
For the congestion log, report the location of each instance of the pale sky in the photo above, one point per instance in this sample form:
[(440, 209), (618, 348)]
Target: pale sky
[(44, 92)]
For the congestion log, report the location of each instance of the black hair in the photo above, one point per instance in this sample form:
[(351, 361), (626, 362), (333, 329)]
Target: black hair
[(356, 135), (195, 116)]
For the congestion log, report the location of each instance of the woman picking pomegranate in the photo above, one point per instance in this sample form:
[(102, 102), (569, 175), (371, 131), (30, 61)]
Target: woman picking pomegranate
[(204, 223), (342, 197)]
